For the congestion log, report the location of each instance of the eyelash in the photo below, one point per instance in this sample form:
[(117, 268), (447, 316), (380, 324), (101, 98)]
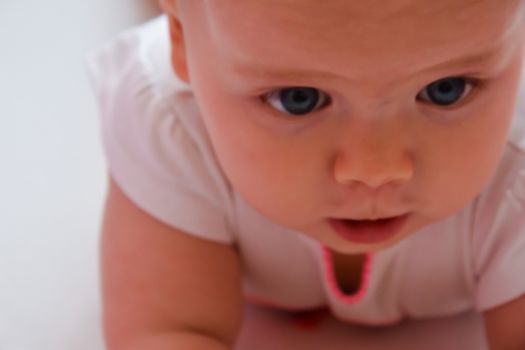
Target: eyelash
[(471, 85), (324, 101)]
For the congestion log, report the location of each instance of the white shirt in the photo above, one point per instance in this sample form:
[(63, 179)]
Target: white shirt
[(159, 152)]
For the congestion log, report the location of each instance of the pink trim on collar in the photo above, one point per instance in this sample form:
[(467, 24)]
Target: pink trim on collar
[(332, 283)]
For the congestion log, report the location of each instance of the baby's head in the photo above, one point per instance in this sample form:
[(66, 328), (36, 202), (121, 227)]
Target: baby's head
[(353, 109)]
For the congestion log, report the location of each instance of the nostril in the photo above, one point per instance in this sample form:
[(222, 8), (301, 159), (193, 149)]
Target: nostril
[(367, 189), (373, 175)]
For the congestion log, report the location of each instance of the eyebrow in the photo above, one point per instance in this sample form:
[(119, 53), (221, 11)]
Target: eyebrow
[(260, 70), (467, 60)]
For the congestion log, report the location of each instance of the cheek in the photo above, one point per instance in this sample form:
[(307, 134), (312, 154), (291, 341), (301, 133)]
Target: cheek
[(277, 174), (465, 158)]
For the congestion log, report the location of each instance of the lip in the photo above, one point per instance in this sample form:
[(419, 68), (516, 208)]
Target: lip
[(368, 231)]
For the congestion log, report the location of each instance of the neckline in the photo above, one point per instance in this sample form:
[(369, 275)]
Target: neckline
[(333, 285)]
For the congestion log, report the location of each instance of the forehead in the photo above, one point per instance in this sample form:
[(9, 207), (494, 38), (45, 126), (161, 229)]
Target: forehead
[(404, 31)]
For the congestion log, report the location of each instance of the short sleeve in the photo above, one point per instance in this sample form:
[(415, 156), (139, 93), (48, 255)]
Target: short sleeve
[(499, 246), (160, 159)]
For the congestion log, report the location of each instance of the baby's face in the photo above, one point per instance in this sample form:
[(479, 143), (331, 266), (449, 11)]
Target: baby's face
[(354, 109)]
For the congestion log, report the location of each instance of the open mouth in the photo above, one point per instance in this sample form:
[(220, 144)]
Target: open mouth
[(368, 231)]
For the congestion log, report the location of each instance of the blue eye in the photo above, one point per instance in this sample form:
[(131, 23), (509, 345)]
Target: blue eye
[(297, 100), (446, 92)]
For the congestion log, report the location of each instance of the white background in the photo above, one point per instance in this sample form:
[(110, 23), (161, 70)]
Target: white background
[(52, 172)]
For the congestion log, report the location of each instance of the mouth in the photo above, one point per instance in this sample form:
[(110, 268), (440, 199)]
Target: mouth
[(368, 231)]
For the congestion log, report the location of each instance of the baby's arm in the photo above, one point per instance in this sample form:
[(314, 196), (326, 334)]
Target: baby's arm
[(505, 325), (164, 289)]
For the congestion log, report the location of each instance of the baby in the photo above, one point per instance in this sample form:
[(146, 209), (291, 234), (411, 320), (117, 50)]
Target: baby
[(363, 156)]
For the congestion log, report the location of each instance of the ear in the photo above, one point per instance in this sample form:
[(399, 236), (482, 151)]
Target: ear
[(178, 47)]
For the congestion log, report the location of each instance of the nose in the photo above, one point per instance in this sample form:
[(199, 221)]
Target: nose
[(373, 165)]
